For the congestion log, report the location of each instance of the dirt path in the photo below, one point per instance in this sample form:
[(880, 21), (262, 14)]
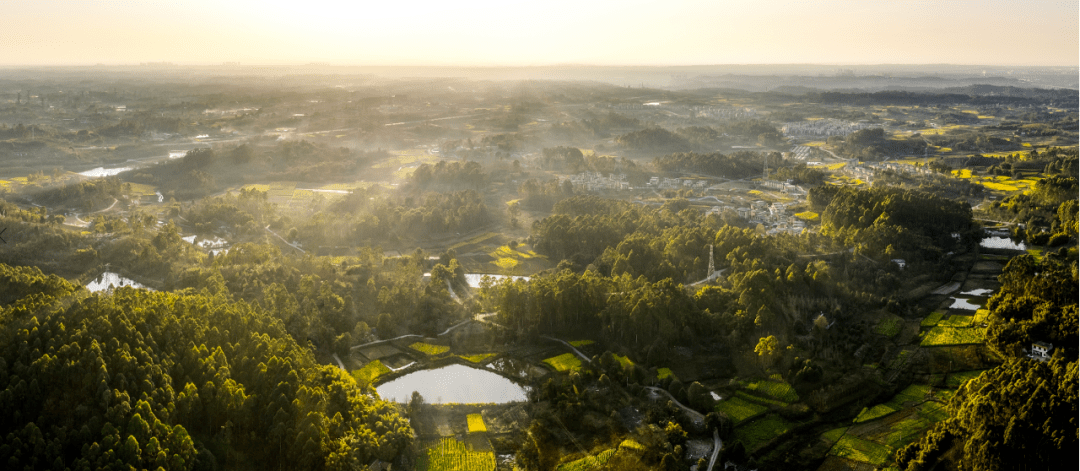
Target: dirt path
[(283, 240)]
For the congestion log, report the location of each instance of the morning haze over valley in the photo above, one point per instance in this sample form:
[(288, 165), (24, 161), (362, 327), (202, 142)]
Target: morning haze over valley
[(569, 236)]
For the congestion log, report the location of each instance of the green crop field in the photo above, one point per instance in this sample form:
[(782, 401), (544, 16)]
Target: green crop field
[(662, 373), (957, 320), (476, 423), (866, 451), (564, 362), (932, 319), (632, 445), (739, 409), (370, 372), (878, 411), (758, 432), (449, 454), (429, 349), (478, 358), (955, 380), (777, 389), (587, 462), (939, 336), (580, 343), (912, 393), (915, 393), (889, 326), (832, 436), (760, 399)]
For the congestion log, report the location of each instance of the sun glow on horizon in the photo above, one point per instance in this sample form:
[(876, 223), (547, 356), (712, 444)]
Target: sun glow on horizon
[(486, 32)]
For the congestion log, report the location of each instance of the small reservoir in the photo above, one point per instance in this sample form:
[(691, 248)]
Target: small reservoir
[(454, 384), (996, 242)]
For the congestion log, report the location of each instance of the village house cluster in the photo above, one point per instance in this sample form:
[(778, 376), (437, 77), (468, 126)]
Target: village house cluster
[(595, 181), (823, 128), (676, 183)]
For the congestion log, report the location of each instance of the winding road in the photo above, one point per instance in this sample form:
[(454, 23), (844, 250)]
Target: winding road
[(407, 336), (582, 355)]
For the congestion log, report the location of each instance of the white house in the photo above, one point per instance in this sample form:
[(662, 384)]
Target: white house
[(1041, 350)]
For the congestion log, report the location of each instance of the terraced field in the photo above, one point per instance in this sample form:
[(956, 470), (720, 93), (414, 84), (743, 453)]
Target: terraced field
[(739, 409)]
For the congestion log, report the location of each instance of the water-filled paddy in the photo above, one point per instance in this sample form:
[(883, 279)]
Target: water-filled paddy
[(454, 384)]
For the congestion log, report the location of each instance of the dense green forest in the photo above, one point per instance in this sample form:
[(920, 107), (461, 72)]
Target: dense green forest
[(181, 381)]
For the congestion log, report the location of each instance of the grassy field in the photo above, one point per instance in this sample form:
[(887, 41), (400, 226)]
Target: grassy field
[(564, 362), (370, 372), (940, 335), (757, 433), (807, 215), (662, 373), (739, 409), (889, 326), (478, 358), (865, 451), (580, 343), (142, 189), (429, 349), (449, 454), (476, 423)]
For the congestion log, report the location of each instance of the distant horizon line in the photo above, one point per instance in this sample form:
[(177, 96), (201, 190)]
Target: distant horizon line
[(518, 66)]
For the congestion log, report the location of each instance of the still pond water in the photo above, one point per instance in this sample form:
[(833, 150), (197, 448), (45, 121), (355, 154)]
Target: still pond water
[(453, 383), (109, 278)]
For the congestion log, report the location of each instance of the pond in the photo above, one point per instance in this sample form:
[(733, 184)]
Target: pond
[(1001, 243), (109, 278), (104, 172), (454, 384), (473, 279), (962, 303)]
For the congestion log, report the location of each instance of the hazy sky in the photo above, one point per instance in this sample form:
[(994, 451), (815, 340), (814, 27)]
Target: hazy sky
[(507, 32)]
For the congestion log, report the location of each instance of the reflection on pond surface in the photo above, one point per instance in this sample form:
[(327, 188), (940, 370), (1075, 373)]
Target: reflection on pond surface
[(962, 303), (109, 278), (453, 383), (473, 279), (104, 172), (1001, 243)]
